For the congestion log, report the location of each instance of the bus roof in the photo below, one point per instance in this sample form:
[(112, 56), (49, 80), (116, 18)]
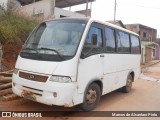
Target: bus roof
[(95, 20)]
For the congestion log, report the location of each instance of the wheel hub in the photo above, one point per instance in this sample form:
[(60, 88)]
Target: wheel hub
[(91, 96), (129, 83)]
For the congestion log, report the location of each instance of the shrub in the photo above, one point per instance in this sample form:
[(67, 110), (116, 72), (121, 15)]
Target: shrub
[(15, 27), (14, 30)]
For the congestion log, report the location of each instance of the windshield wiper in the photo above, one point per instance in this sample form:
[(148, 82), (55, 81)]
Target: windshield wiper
[(27, 48), (42, 48)]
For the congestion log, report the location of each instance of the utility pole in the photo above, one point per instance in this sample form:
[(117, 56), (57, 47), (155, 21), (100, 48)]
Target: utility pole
[(91, 9), (115, 6), (86, 8), (52, 9)]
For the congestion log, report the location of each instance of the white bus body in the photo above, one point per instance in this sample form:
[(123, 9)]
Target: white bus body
[(53, 70)]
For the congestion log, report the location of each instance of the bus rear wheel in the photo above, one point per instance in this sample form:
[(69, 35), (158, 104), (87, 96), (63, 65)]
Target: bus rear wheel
[(128, 86), (91, 97)]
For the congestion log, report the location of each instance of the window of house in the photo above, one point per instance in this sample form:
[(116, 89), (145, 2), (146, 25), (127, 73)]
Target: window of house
[(144, 34), (135, 44), (110, 40), (123, 43)]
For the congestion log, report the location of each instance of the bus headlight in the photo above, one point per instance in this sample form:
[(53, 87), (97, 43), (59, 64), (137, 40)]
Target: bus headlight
[(62, 79)]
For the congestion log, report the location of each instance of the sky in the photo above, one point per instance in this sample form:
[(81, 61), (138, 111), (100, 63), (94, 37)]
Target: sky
[(146, 12)]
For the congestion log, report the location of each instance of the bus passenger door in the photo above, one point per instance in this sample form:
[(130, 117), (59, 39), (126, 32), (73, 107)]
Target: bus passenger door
[(92, 58), (110, 61)]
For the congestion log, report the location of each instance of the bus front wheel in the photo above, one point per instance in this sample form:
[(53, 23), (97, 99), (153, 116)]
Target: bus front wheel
[(91, 97)]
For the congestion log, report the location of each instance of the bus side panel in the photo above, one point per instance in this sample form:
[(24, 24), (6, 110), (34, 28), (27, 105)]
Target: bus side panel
[(116, 69)]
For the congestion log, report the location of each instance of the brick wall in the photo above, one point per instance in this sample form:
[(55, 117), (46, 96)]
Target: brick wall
[(146, 33), (132, 28)]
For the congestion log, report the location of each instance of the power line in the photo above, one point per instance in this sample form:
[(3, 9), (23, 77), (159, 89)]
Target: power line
[(148, 7)]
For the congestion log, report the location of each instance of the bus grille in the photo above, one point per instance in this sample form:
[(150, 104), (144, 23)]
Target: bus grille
[(33, 77)]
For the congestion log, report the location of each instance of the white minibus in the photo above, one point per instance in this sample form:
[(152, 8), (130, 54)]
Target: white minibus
[(74, 61)]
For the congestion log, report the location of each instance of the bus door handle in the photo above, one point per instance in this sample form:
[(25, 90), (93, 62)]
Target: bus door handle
[(101, 55)]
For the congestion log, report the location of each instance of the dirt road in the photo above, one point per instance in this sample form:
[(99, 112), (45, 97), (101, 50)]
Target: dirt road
[(145, 96)]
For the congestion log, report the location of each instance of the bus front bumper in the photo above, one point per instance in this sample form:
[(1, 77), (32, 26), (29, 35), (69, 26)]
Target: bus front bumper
[(50, 93)]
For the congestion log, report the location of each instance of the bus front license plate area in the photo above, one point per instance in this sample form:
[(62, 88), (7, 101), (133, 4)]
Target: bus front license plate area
[(28, 95)]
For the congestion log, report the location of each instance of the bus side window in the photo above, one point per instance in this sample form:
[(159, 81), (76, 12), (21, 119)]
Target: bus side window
[(90, 47), (110, 40), (123, 43)]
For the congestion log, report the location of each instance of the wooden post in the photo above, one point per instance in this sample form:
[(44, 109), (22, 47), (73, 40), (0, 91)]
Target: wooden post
[(6, 91), (4, 86), (5, 79)]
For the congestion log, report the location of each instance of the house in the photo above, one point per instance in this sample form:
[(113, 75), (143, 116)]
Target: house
[(46, 9), (148, 39), (158, 49)]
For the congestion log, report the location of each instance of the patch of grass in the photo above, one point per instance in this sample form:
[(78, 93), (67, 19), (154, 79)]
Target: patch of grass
[(15, 27), (14, 30)]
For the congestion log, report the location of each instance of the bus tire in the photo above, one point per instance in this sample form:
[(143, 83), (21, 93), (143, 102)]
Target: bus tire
[(91, 97), (127, 88)]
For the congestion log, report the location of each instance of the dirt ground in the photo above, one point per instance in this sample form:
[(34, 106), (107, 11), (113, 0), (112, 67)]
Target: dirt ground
[(10, 54), (145, 96)]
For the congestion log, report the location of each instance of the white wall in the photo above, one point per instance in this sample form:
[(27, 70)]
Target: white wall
[(46, 8), (4, 3), (36, 8), (59, 11), (13, 3)]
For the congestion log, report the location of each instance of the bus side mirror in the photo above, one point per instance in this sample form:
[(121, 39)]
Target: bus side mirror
[(94, 39)]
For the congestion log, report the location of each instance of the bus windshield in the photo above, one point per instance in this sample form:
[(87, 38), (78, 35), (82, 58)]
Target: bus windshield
[(54, 40)]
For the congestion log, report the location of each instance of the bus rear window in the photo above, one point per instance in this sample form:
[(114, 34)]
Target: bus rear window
[(135, 44)]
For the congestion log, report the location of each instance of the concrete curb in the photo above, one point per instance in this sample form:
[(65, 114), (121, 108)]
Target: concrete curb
[(150, 64)]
